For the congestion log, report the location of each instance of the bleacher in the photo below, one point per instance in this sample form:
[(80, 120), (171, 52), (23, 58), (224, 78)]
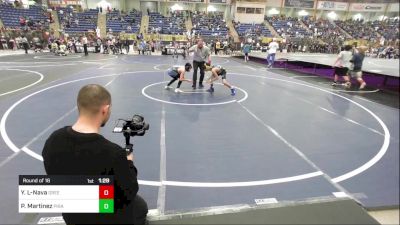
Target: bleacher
[(288, 27), (11, 16), (252, 30), (211, 25), (86, 20), (325, 30), (130, 23), (63, 15), (358, 29), (388, 28), (166, 25), (208, 25)]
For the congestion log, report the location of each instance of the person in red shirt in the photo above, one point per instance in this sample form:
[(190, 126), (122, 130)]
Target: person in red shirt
[(22, 21)]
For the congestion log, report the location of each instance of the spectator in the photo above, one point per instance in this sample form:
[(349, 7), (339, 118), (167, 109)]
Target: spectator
[(152, 44), (357, 61), (22, 21), (342, 65), (142, 47), (272, 48), (25, 43), (246, 50), (4, 44), (85, 45), (126, 45), (217, 47)]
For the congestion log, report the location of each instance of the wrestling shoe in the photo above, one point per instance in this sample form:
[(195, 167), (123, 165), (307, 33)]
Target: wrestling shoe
[(167, 87), (211, 90), (177, 90), (233, 91)]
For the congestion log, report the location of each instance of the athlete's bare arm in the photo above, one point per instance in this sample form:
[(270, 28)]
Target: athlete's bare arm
[(181, 72)]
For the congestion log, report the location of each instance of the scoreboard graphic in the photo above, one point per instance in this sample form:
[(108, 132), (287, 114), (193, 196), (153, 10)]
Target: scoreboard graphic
[(65, 194)]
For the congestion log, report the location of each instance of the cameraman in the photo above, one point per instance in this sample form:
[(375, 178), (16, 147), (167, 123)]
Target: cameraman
[(81, 150)]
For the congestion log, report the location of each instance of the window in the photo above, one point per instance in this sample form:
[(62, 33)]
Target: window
[(250, 10), (241, 10)]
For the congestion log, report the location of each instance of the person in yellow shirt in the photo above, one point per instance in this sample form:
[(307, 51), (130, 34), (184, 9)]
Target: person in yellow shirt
[(217, 47)]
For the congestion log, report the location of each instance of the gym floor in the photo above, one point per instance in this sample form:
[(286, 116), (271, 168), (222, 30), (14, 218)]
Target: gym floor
[(283, 137)]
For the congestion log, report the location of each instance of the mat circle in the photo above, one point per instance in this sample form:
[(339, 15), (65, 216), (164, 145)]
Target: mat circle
[(190, 104)]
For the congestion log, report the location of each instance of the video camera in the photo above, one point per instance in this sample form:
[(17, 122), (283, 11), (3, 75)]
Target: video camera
[(130, 128)]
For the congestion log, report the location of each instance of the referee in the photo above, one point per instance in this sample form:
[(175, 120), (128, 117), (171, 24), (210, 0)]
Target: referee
[(201, 53), (85, 45)]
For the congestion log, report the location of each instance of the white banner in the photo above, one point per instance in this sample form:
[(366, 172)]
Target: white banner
[(338, 6), (65, 2), (367, 7), (273, 3), (394, 7)]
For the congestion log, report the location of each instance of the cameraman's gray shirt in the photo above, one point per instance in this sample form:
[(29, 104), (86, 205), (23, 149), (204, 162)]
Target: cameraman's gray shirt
[(200, 55)]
